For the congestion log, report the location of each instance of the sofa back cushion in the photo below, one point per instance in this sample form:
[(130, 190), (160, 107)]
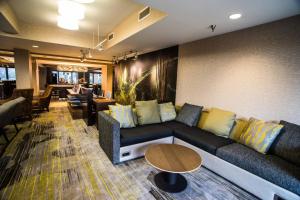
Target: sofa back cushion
[(260, 135), (147, 112), (167, 112), (219, 122), (240, 125), (123, 114), (189, 114), (287, 144)]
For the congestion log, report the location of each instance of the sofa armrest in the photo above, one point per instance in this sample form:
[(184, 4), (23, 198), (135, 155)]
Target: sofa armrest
[(5, 100), (109, 136)]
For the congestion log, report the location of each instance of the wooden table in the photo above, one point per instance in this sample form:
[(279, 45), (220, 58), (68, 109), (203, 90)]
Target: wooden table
[(172, 160), (102, 103)]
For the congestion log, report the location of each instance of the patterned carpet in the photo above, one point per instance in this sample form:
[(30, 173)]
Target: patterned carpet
[(55, 157)]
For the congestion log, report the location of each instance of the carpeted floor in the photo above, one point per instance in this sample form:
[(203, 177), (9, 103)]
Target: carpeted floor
[(55, 157)]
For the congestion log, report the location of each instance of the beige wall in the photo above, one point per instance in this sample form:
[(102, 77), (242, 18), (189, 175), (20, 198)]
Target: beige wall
[(254, 72)]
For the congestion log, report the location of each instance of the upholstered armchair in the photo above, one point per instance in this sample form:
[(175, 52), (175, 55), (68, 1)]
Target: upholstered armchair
[(9, 111), (25, 108), (42, 102)]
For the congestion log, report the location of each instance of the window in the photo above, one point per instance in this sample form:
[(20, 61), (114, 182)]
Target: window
[(7, 73), (3, 73), (95, 78), (67, 77), (11, 73), (74, 77)]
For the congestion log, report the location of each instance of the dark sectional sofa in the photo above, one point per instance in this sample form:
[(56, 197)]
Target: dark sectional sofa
[(266, 176)]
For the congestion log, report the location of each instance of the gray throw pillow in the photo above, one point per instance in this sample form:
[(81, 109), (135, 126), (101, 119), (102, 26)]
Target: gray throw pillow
[(189, 114), (287, 143)]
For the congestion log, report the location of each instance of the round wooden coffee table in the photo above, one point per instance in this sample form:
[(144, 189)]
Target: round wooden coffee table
[(172, 160)]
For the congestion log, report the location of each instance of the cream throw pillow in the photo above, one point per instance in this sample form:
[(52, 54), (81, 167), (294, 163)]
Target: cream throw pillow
[(147, 112), (123, 114), (167, 112)]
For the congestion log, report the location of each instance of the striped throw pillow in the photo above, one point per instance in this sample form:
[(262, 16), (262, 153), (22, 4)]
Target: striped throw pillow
[(123, 114), (260, 135)]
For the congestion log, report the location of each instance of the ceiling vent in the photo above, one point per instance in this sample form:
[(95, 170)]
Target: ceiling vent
[(111, 36), (144, 13)]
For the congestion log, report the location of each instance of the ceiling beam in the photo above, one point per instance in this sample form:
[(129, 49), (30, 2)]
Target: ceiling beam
[(132, 25), (8, 19), (58, 62)]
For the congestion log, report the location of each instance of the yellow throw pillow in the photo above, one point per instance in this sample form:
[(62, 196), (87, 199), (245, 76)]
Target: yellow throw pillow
[(260, 135), (239, 127), (219, 122), (203, 118), (177, 108)]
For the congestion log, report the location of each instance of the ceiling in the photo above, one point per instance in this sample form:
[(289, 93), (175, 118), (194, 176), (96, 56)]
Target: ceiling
[(187, 21), (10, 43), (106, 13)]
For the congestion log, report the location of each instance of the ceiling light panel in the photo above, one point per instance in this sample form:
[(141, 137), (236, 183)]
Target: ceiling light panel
[(67, 23), (235, 16), (70, 9), (84, 1)]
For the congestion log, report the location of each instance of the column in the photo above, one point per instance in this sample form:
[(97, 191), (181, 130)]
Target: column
[(23, 67)]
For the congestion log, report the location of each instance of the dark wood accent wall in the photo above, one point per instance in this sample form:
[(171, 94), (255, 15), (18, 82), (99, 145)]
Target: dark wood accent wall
[(160, 83)]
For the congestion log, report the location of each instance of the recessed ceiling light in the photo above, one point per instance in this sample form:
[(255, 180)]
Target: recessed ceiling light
[(235, 16), (84, 1), (70, 9), (67, 23), (35, 46)]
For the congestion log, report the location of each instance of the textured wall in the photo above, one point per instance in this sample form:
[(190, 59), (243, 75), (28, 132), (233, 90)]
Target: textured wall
[(254, 72)]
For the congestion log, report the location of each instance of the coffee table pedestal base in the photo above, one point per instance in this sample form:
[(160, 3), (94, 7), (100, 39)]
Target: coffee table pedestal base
[(170, 182)]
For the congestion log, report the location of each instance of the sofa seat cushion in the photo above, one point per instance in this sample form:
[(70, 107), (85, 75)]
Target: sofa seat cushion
[(144, 133), (198, 137), (287, 144), (269, 167)]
